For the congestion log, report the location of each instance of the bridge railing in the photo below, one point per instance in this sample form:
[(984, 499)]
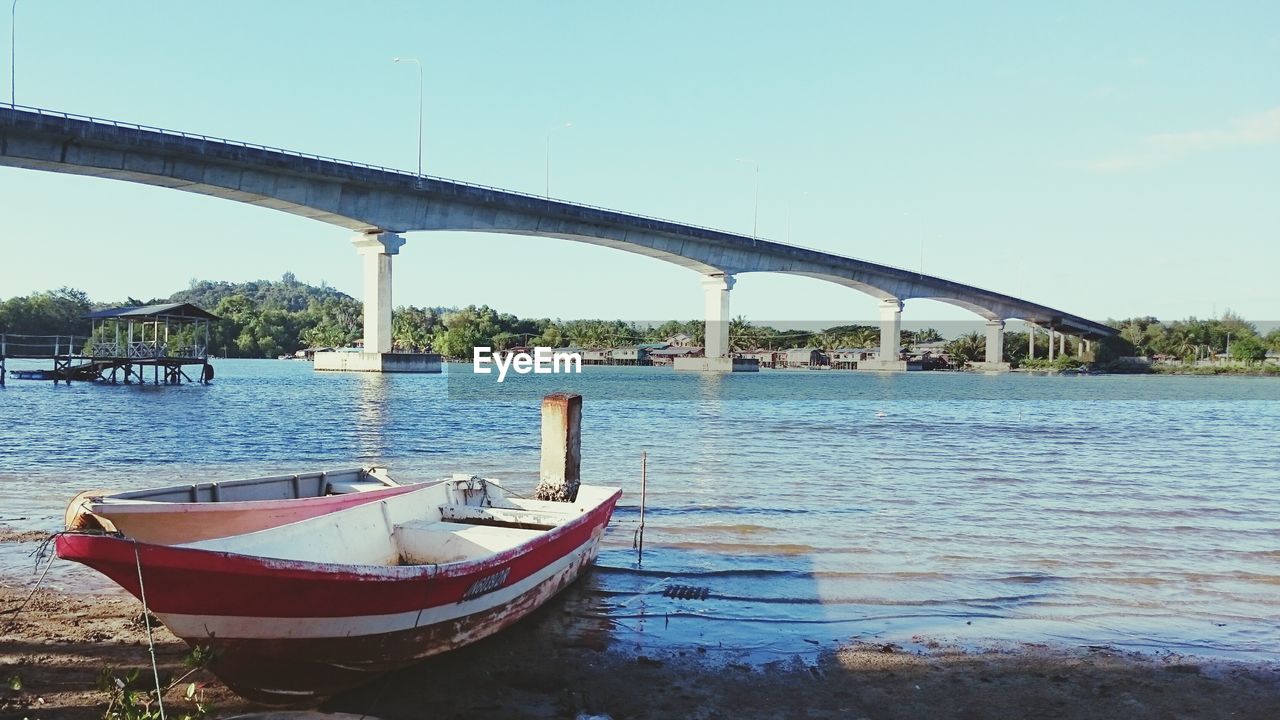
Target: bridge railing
[(144, 350), (40, 346)]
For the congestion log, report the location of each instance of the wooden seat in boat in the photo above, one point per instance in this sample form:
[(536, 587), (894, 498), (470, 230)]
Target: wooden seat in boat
[(423, 542)]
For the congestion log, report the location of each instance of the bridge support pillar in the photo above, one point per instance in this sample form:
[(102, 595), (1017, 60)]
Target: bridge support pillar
[(376, 250), (716, 356), (890, 339), (994, 361), (1052, 337), (1031, 341), (716, 289)]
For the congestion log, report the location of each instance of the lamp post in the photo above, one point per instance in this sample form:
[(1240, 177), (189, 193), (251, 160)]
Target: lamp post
[(755, 208), (13, 53), (415, 61), (550, 130)]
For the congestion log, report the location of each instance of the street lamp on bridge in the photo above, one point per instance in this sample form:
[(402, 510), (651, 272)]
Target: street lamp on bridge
[(13, 53), (415, 61), (550, 130)]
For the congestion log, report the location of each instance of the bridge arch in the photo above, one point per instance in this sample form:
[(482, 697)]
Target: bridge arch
[(981, 311), (861, 286)]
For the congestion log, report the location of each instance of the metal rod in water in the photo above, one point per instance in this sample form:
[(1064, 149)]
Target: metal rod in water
[(644, 467)]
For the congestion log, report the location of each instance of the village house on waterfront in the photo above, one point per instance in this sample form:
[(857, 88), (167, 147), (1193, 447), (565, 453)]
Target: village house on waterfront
[(925, 356)]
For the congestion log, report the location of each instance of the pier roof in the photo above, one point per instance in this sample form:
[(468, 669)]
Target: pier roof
[(169, 310)]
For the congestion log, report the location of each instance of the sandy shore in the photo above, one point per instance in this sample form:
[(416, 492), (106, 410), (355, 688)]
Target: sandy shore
[(59, 644), (556, 664)]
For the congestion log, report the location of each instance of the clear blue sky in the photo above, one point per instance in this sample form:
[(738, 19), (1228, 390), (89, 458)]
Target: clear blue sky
[(1105, 158)]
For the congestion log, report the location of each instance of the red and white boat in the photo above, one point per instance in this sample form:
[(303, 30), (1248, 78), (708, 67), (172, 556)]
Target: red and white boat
[(324, 604), (203, 511)]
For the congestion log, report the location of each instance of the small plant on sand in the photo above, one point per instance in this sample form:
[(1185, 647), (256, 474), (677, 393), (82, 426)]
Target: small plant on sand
[(199, 658), (130, 699)]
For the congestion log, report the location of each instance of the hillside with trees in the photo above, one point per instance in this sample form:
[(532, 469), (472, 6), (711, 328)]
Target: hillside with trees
[(286, 294)]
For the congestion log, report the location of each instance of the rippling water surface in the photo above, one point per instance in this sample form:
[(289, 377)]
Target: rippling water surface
[(813, 506)]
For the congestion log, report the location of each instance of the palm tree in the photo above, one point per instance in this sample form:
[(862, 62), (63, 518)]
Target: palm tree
[(927, 335), (967, 348), (824, 341), (1182, 345), (865, 338), (743, 335)]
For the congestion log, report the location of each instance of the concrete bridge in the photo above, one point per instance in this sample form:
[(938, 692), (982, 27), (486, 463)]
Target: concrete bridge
[(380, 203)]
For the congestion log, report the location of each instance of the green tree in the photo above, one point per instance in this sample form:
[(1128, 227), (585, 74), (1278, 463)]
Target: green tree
[(695, 329), (970, 347), (412, 328), (332, 322), (1015, 346), (1248, 348), (551, 336), (461, 330), (824, 340), (1136, 335), (505, 341), (865, 338), (1181, 344), (52, 312), (927, 335), (743, 335), (234, 313)]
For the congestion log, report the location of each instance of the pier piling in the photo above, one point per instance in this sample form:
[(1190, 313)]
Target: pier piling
[(560, 470)]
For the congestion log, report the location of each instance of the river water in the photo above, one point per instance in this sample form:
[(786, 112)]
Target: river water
[(813, 507)]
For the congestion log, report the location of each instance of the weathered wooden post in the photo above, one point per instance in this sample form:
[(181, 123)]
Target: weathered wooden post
[(559, 471)]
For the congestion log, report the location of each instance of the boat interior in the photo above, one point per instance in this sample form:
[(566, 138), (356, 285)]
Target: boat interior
[(275, 487), (464, 518)]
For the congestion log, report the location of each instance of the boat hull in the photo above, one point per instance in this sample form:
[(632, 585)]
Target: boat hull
[(282, 671), (286, 631)]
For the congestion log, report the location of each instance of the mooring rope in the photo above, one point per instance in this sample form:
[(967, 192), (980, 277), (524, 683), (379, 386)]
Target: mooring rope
[(39, 555), (146, 619)]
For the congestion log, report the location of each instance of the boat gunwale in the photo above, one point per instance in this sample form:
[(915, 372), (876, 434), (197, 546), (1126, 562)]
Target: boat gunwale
[(246, 564), (359, 471), (110, 503)]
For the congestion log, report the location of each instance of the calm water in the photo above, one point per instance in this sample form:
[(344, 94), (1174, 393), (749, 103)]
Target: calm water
[(814, 506)]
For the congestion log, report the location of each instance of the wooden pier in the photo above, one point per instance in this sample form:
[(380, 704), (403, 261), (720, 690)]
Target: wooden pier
[(125, 345)]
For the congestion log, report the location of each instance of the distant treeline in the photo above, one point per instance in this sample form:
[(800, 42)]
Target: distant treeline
[(270, 318), (1193, 339)]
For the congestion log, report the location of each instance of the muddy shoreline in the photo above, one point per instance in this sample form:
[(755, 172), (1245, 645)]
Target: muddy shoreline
[(59, 644)]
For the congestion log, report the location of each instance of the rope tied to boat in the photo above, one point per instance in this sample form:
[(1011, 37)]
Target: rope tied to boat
[(475, 484), (38, 554), (146, 619)]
